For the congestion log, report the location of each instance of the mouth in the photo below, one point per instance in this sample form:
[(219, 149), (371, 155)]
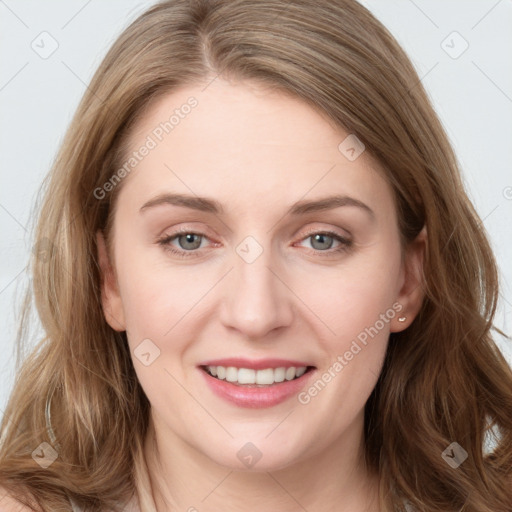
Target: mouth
[(256, 384), (256, 378)]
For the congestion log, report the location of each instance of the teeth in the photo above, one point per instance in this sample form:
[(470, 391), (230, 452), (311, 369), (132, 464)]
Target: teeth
[(265, 377), (300, 371), (246, 376), (279, 374), (290, 373), (231, 374)]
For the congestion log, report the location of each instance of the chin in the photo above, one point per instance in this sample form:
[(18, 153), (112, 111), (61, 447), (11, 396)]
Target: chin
[(255, 456)]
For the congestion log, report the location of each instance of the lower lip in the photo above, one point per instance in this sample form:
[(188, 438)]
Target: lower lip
[(256, 397)]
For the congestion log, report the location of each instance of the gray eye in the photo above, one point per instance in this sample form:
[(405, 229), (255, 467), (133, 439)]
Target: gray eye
[(188, 241), (323, 241)]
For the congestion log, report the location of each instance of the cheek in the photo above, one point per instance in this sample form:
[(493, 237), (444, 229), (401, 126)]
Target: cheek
[(161, 304), (157, 301), (357, 308), (352, 296)]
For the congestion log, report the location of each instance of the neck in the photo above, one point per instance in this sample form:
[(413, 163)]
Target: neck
[(334, 479)]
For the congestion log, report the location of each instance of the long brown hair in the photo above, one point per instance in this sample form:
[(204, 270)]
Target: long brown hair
[(443, 381)]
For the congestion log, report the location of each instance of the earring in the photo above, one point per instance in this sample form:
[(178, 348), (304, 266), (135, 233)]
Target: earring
[(402, 319)]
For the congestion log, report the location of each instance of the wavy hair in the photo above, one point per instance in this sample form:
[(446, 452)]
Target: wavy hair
[(444, 379)]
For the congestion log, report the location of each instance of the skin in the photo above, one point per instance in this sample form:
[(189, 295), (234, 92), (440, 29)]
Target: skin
[(257, 152)]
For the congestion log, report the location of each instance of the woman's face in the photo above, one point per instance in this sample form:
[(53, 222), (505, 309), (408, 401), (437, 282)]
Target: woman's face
[(253, 237)]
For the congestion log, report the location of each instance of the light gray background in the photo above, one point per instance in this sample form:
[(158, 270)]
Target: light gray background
[(471, 93)]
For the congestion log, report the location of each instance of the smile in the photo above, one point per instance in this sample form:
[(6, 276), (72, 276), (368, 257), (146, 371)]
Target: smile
[(267, 384), (258, 378)]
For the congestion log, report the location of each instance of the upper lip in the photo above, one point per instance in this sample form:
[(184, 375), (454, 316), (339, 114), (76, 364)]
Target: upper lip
[(259, 364)]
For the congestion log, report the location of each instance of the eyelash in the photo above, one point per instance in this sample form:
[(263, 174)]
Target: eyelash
[(345, 243)]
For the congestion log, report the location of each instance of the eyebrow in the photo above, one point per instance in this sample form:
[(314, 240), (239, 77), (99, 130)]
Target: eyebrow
[(205, 204)]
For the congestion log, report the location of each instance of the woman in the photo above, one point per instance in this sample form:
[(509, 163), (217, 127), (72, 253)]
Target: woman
[(204, 350)]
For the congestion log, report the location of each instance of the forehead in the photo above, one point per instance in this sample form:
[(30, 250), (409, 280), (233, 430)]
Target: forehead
[(246, 145)]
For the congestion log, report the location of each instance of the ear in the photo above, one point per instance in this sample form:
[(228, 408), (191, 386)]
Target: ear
[(411, 291), (110, 296)]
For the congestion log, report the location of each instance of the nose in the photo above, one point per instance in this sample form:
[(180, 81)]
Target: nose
[(257, 299)]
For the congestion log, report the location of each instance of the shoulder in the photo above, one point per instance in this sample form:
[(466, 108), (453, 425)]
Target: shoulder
[(9, 504)]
